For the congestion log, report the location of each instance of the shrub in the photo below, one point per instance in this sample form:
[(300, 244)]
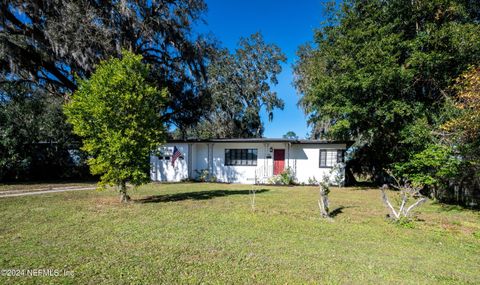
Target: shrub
[(287, 177), (337, 174), (203, 175), (431, 167), (405, 222), (312, 181)]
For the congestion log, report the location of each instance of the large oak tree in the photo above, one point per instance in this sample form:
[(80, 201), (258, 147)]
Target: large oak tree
[(49, 42), (379, 71), (240, 87)]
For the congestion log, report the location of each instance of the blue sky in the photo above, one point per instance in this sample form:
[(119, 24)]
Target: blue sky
[(286, 23)]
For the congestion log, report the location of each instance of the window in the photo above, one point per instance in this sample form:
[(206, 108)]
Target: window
[(165, 153), (241, 156), (328, 158), (340, 156), (323, 158)]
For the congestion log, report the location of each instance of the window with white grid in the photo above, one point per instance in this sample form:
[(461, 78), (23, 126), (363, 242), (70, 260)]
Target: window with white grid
[(330, 157)]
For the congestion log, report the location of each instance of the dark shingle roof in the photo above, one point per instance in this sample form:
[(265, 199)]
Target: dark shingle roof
[(265, 140)]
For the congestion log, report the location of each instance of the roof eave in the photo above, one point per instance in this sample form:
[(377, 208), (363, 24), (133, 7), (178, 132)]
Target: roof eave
[(263, 140)]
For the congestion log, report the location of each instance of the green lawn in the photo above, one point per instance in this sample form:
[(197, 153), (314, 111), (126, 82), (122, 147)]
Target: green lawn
[(35, 186), (207, 233)]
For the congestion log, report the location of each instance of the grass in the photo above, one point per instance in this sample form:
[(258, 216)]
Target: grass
[(207, 233), (35, 186)]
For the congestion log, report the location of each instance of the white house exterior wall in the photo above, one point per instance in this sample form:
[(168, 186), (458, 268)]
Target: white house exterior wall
[(302, 159), (237, 174), (162, 170), (307, 166), (201, 157)]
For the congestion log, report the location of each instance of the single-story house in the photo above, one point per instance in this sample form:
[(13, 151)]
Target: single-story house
[(250, 161)]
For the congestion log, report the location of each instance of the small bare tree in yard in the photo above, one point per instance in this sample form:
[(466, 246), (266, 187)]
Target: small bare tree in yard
[(252, 197), (323, 199), (407, 192)]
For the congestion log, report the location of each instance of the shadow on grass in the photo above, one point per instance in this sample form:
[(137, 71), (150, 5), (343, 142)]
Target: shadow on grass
[(363, 185), (198, 195), (339, 210), (450, 208)]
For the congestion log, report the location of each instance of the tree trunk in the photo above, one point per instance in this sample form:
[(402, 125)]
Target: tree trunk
[(349, 177), (122, 188), (323, 202)]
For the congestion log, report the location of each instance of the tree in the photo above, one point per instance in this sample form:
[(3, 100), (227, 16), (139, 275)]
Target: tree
[(402, 213), (323, 204), (239, 84), (35, 140), (117, 113), (48, 42), (462, 133), (379, 73), (433, 167), (464, 129), (454, 157), (290, 135)]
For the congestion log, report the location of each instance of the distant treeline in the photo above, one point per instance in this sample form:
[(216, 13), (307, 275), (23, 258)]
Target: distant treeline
[(35, 141)]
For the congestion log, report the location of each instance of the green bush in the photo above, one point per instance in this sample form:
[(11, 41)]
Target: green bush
[(405, 222), (431, 167), (477, 235), (312, 181), (287, 177), (203, 175)]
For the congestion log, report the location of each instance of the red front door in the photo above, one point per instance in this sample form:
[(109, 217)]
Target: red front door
[(278, 161)]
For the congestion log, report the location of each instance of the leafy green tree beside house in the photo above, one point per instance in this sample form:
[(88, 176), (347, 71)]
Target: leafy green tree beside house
[(117, 113)]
